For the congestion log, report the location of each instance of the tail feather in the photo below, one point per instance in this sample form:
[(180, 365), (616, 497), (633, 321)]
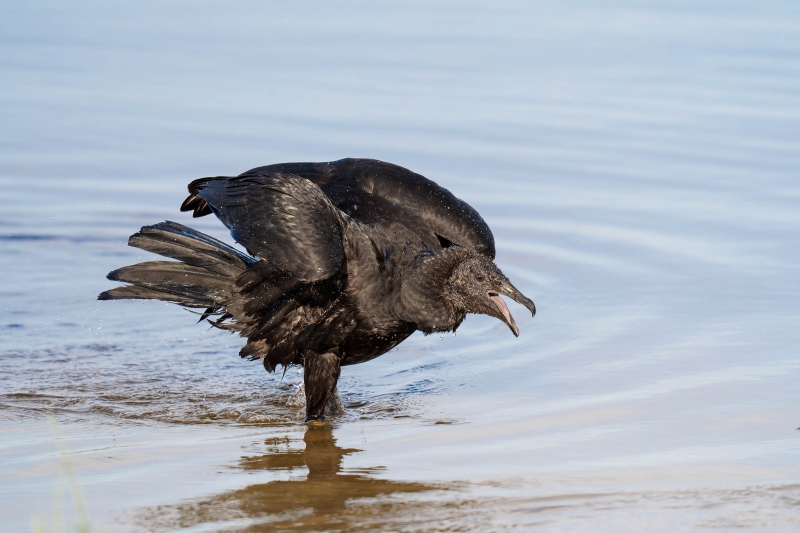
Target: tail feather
[(132, 292), (174, 240), (204, 275), (176, 278)]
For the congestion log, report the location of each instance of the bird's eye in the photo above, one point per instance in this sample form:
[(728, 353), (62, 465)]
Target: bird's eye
[(479, 277)]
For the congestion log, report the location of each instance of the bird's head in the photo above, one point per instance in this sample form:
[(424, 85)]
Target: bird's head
[(475, 286)]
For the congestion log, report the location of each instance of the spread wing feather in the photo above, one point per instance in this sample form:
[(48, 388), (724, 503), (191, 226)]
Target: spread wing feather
[(282, 218), (390, 194)]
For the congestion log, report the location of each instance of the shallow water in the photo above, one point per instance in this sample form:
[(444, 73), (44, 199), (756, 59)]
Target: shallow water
[(637, 162)]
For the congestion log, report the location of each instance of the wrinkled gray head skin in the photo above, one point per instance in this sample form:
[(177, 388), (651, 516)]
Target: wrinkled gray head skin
[(475, 286)]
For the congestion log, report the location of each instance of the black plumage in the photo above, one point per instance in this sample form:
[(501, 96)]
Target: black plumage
[(347, 259)]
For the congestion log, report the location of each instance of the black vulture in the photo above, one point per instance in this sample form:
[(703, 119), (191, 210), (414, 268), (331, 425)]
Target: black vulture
[(346, 260)]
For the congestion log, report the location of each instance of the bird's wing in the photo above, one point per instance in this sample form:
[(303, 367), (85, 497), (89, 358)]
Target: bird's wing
[(279, 217), (402, 196)]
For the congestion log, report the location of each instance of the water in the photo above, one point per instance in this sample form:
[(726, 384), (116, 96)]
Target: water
[(637, 162)]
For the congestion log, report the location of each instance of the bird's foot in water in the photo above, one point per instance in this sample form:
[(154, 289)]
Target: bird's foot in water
[(334, 407)]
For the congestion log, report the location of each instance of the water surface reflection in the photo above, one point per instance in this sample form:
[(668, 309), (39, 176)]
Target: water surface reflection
[(329, 497)]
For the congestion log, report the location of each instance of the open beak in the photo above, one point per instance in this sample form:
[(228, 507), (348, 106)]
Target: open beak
[(510, 291)]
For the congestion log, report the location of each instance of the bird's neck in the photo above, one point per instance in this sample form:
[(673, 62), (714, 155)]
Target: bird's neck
[(424, 295)]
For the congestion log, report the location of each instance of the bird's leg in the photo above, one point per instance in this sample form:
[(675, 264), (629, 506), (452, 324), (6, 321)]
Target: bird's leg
[(321, 372)]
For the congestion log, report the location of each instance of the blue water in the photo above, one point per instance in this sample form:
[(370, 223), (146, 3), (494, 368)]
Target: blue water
[(638, 164)]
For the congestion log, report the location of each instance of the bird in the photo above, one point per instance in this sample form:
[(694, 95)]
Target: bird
[(345, 260)]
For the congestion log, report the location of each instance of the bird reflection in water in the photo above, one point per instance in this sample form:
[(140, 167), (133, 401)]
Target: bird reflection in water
[(327, 499)]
